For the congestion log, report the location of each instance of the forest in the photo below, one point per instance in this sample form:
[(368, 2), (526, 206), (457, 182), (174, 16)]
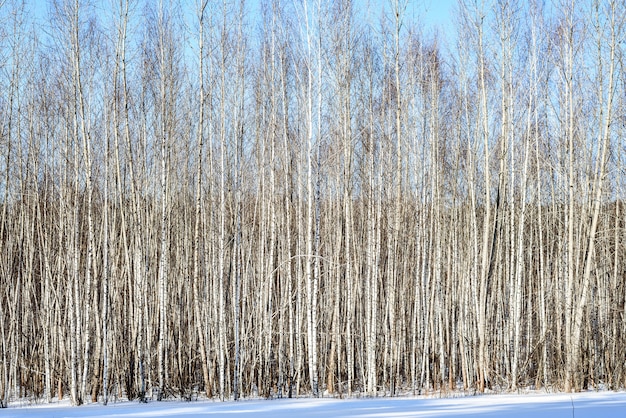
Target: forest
[(283, 198)]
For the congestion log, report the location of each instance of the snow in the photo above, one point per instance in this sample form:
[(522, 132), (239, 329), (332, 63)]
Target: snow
[(579, 405)]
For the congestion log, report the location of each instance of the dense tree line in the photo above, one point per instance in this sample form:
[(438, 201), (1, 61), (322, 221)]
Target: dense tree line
[(310, 197)]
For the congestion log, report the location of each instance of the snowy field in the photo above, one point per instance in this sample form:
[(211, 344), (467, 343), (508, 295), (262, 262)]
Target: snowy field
[(580, 405)]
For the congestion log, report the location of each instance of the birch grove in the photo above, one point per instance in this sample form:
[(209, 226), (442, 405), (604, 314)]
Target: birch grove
[(310, 198)]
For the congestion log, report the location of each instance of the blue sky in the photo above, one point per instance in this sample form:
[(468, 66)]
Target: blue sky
[(436, 13), (433, 15), (433, 12)]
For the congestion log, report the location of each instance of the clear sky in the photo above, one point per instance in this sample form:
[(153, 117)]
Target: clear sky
[(430, 15), (434, 15), (434, 12)]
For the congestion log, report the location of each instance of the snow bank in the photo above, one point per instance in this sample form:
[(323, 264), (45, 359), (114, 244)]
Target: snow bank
[(579, 405)]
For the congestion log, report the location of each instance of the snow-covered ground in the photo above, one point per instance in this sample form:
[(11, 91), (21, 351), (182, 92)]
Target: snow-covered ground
[(580, 405)]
